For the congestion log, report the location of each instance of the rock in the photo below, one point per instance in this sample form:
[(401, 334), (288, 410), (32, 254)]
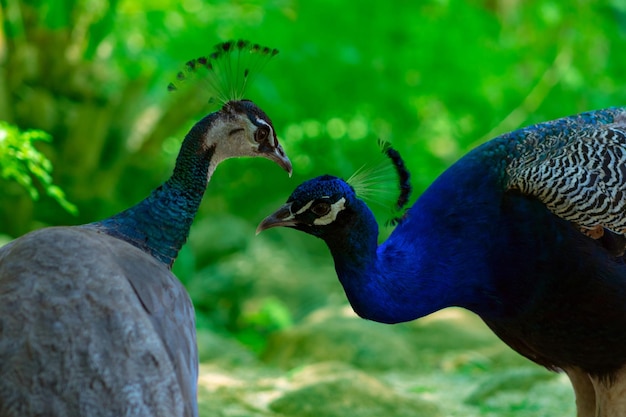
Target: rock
[(222, 403), (238, 391), (328, 336), (451, 329), (519, 380), (337, 392), (225, 351)]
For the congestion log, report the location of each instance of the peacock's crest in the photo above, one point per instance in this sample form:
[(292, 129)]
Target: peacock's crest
[(371, 183), (227, 71)]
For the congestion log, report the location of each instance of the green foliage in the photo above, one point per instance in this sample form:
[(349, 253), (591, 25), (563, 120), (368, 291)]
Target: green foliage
[(256, 325), (435, 78), (20, 161)]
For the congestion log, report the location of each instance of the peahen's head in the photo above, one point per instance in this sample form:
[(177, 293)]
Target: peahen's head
[(322, 207), (241, 128), (160, 224)]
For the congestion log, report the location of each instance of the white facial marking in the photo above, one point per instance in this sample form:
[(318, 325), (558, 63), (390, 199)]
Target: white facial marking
[(263, 122), (305, 207), (289, 218), (335, 208)]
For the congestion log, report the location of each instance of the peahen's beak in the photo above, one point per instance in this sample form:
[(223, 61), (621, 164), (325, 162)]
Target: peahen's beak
[(281, 217), (279, 156)]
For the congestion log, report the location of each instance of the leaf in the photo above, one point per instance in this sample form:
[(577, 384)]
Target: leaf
[(21, 162)]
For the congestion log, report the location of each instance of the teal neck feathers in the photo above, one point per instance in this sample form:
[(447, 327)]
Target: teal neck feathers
[(160, 224)]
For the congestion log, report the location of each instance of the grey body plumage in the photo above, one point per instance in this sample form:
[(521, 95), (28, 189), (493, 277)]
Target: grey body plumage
[(92, 338)]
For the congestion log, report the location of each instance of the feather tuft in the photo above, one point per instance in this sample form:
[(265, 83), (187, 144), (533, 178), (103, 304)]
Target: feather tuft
[(404, 176), (372, 183), (227, 71), (191, 65)]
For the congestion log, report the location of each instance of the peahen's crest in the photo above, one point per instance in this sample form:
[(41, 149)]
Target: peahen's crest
[(227, 71), (371, 183)]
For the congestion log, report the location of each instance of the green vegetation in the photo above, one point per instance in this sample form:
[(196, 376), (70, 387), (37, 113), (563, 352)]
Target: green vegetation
[(434, 77), (20, 161)]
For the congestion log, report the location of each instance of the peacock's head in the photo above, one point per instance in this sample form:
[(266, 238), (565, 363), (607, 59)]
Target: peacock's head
[(320, 207), (328, 206)]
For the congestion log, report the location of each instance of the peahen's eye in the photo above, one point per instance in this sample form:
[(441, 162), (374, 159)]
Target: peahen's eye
[(321, 209), (261, 134)]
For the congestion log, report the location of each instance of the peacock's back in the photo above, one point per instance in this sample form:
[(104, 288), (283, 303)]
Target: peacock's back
[(577, 167)]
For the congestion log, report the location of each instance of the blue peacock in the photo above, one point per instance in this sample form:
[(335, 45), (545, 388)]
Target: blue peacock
[(526, 230), (92, 320)]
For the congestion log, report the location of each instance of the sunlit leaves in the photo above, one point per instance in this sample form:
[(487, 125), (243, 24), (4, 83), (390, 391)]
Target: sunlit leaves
[(21, 162)]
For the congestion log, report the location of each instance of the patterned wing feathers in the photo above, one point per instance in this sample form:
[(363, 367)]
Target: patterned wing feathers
[(580, 177)]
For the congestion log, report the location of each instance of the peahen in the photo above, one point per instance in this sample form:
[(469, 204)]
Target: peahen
[(92, 320), (527, 231)]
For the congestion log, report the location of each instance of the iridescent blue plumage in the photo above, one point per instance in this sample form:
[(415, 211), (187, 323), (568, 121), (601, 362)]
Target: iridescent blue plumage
[(473, 239)]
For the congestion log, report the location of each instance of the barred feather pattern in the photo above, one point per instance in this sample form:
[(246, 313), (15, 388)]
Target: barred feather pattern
[(579, 173)]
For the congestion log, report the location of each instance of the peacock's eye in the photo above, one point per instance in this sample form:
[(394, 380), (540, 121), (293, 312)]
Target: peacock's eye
[(261, 134), (320, 209)]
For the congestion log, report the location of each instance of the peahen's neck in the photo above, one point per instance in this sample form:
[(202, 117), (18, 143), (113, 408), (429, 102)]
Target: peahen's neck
[(160, 224), (435, 258)]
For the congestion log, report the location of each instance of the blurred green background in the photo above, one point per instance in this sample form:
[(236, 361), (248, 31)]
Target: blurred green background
[(87, 128)]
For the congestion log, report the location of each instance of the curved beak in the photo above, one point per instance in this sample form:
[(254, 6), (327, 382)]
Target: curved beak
[(281, 217), (279, 156)]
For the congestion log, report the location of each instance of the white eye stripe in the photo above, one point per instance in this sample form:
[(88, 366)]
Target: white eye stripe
[(305, 207), (263, 122), (335, 209)]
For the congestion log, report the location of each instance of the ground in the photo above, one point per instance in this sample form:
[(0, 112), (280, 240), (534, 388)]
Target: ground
[(336, 364)]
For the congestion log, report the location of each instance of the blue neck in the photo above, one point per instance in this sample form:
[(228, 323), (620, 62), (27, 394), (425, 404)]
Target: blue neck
[(160, 224), (411, 275), (468, 242)]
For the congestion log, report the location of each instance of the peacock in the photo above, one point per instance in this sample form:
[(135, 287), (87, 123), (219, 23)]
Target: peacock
[(92, 320), (526, 230)]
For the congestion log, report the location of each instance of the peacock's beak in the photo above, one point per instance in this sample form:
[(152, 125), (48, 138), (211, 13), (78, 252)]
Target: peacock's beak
[(281, 217), (279, 156)]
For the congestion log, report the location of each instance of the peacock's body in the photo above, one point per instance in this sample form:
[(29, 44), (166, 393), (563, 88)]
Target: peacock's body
[(92, 320), (526, 231)]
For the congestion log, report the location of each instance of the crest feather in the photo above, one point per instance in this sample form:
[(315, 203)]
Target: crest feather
[(372, 183), (227, 71)]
